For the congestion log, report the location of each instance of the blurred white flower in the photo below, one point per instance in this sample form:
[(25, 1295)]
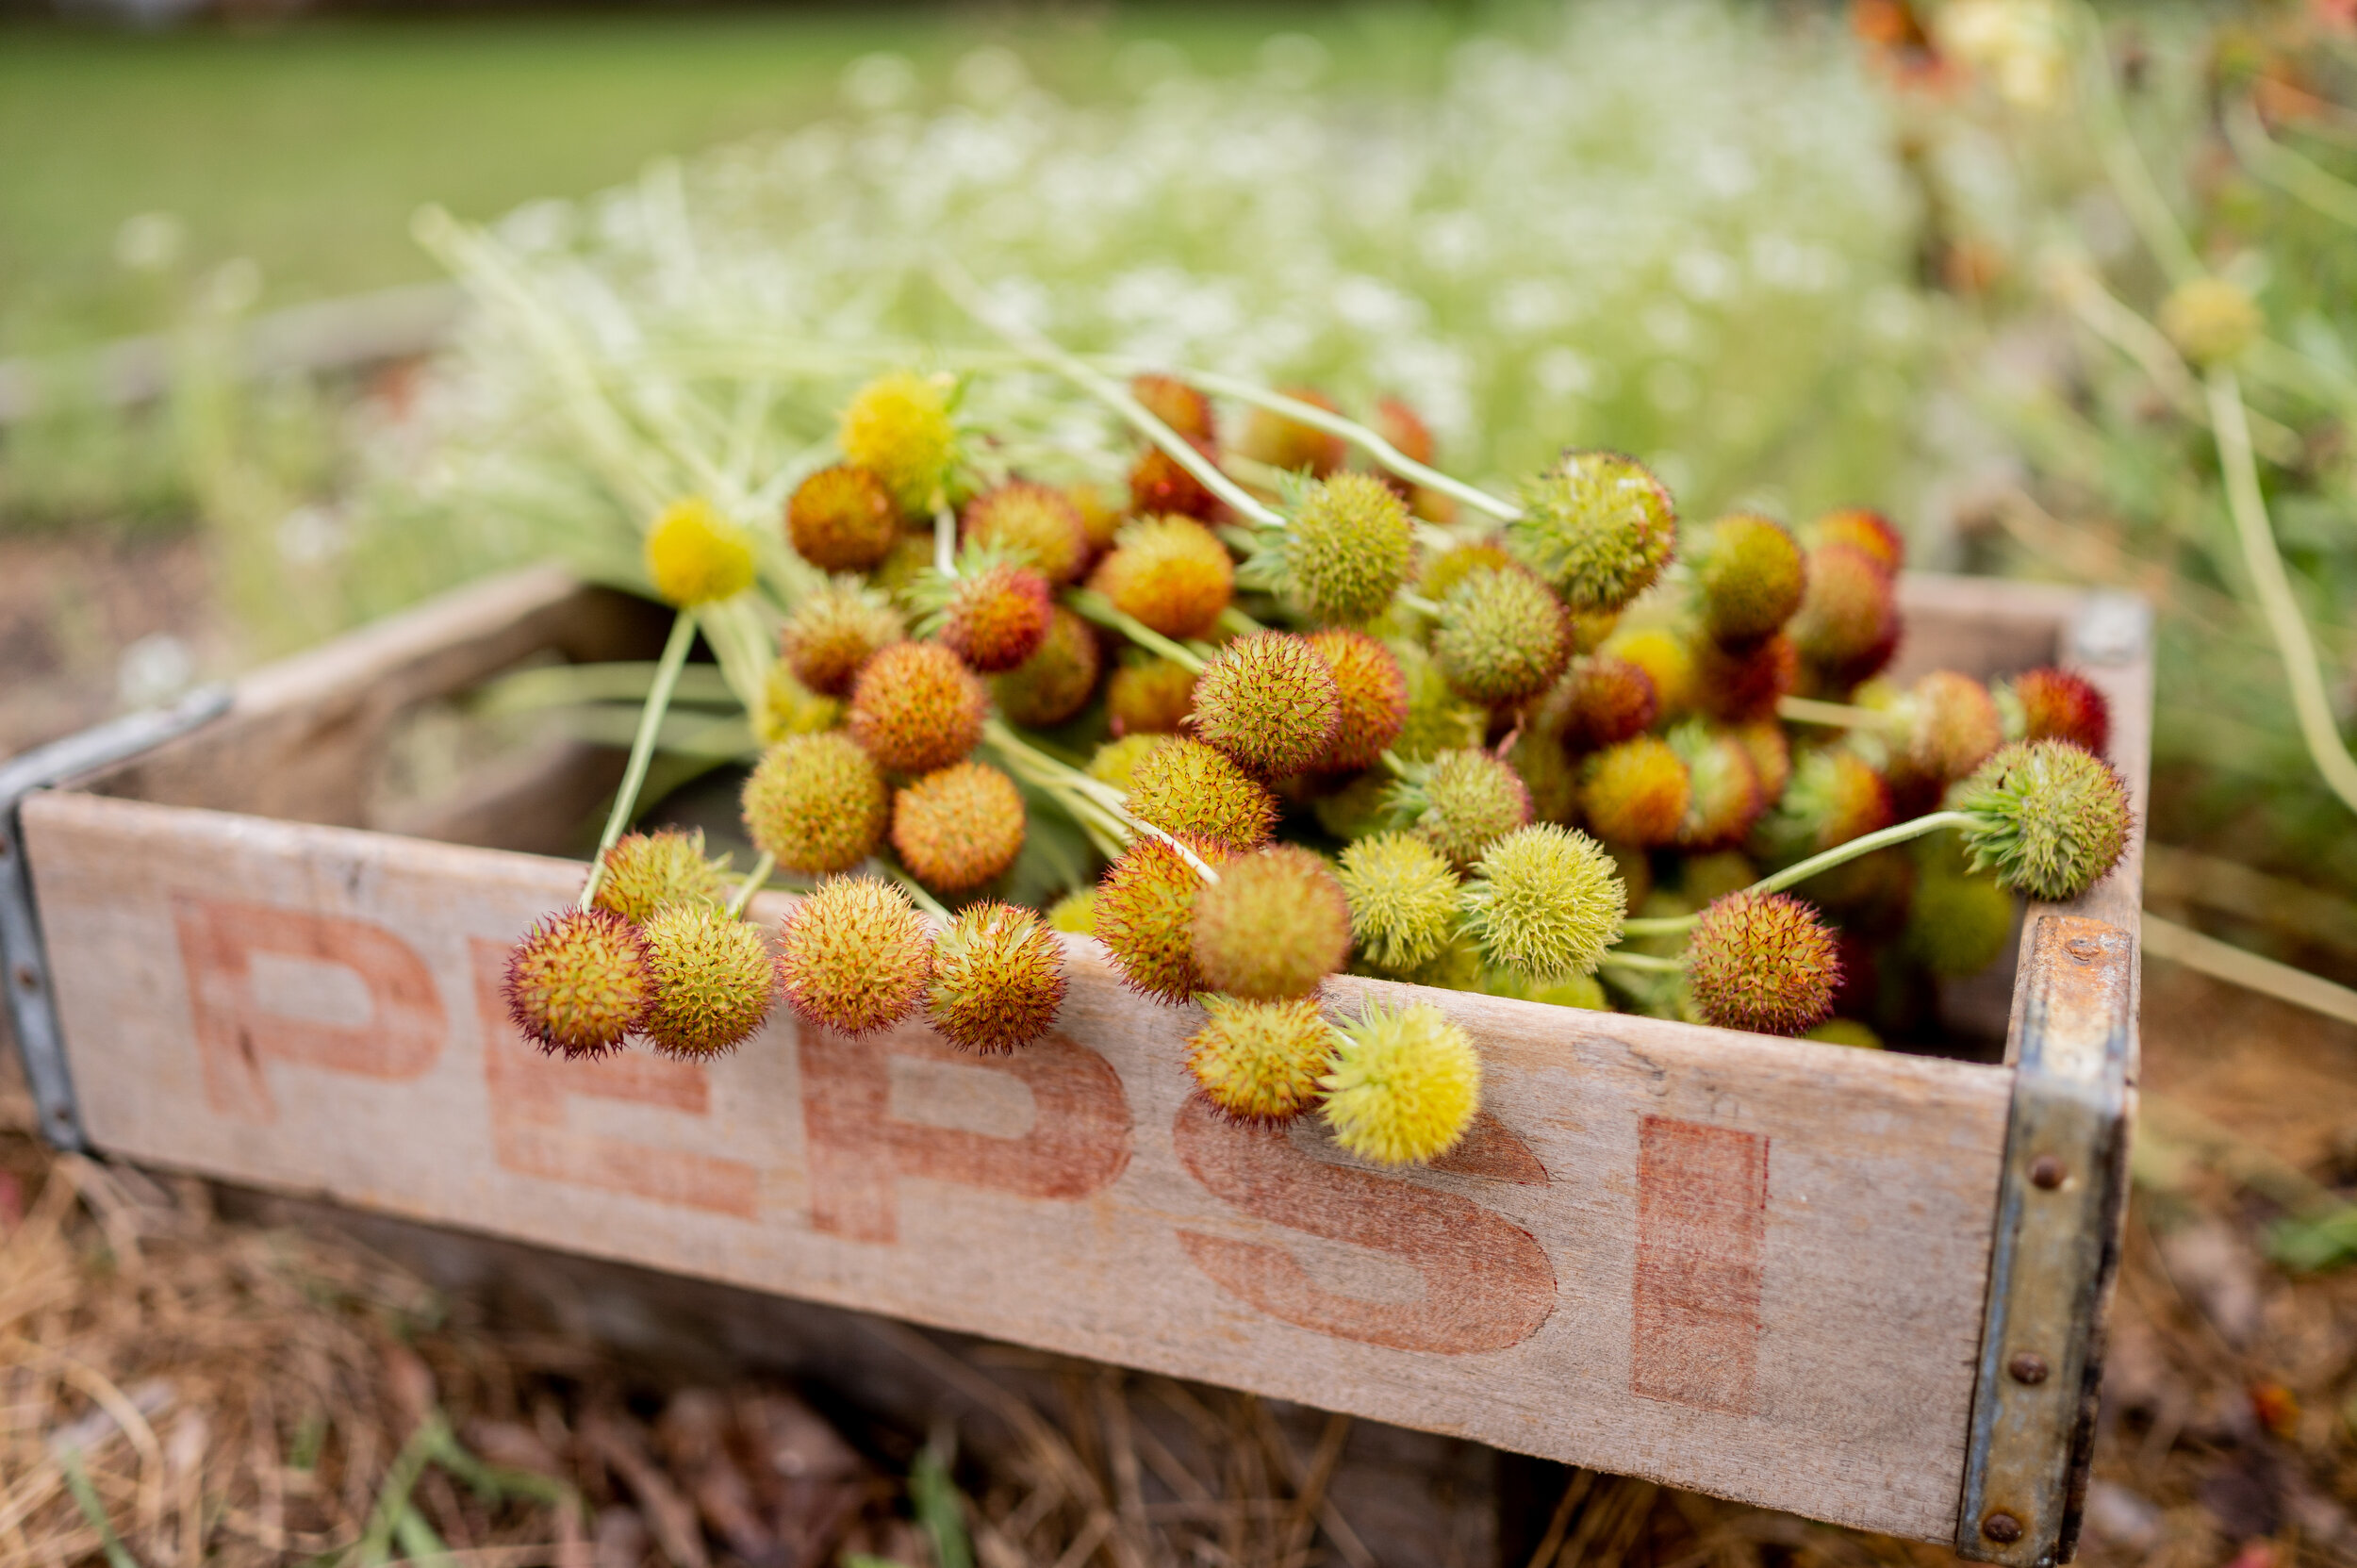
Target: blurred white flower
[(150, 241)]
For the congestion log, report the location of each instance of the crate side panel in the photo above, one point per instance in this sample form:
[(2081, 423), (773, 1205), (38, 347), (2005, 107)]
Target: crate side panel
[(1747, 1267)]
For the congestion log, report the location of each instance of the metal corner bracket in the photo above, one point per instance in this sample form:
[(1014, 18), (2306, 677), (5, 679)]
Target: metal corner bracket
[(23, 956)]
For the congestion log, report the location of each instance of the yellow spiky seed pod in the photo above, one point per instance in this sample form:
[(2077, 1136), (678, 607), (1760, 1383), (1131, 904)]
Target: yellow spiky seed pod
[(1749, 578), (817, 802), (579, 982), (1447, 569), (1260, 1062), (899, 428), (1601, 700), (1403, 900), (1502, 636), (997, 617), (1184, 787), (1581, 990), (1171, 573), (1145, 915), (1275, 925), (1345, 550), (1770, 751), (1149, 695), (1669, 662), (1724, 798), (715, 978), (1438, 720), (842, 519), (997, 979), (696, 556), (957, 828), (1100, 516), (1269, 702), (1763, 962), (1075, 914), (790, 708), (646, 872), (855, 955), (830, 633), (1835, 796), (1951, 726), (1034, 523), (1372, 693), (1863, 530), (1057, 681), (916, 707), (1848, 624), (1461, 802), (1636, 792), (1598, 526), (2210, 320), (1405, 1086), (1286, 443), (1545, 902), (1115, 762)]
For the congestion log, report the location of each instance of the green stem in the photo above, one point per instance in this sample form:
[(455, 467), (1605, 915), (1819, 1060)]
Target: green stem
[(2284, 169), (754, 879), (945, 541), (2132, 180), (1800, 871), (1085, 797), (1808, 710), (1090, 605), (1237, 623), (642, 747), (1419, 603), (915, 891), (1644, 961)]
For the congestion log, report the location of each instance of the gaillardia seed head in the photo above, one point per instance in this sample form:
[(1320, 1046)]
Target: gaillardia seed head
[(1346, 550), (1770, 750), (1405, 1086), (713, 980), (1848, 626), (1186, 788), (1724, 798), (1762, 961), (916, 707), (1444, 571), (1834, 796), (997, 979), (1057, 681), (1403, 900), (817, 802), (1273, 925), (1438, 720), (1374, 695), (2210, 320), (1031, 522), (579, 981), (1861, 529), (855, 955), (1175, 404), (1601, 700), (1261, 1060), (1503, 637), (696, 556), (997, 617), (1545, 902), (898, 427), (1171, 573), (1116, 762), (1161, 486), (2051, 818), (842, 519), (834, 631), (1598, 526), (1149, 695), (1743, 685), (790, 708), (1460, 803), (957, 828), (1145, 915), (1075, 914), (1269, 702), (1636, 792), (650, 871), (1958, 925), (2055, 704), (1953, 725), (1291, 445), (1749, 576), (1668, 658)]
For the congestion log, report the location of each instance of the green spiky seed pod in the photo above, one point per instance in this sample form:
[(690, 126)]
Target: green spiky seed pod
[(1345, 551), (899, 428), (1848, 626), (1749, 577), (1260, 1062), (957, 828), (1184, 787), (997, 979), (1169, 573), (1373, 699), (1601, 700), (1075, 914), (713, 980), (1405, 1086), (2055, 704), (1115, 762), (855, 955), (998, 617), (1461, 802), (1861, 529), (1175, 404), (1456, 968), (695, 555), (1770, 751), (1444, 571), (1598, 526), (1743, 685), (1951, 726), (2051, 818), (1275, 925), (790, 708), (1762, 961), (1958, 925), (842, 519), (1403, 900), (1269, 702), (1100, 516), (916, 707), (1545, 902), (1581, 990), (1438, 720), (1358, 808), (1057, 681), (1714, 875), (650, 871), (1502, 636), (1636, 792), (1724, 796), (1288, 444), (1145, 915), (834, 631), (817, 802), (1548, 773), (1149, 695), (579, 981), (1835, 796), (2210, 320), (1036, 524), (1845, 1032), (1161, 486), (1669, 661)]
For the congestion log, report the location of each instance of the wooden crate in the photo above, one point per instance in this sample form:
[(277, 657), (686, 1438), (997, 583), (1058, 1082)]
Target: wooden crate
[(1824, 1280)]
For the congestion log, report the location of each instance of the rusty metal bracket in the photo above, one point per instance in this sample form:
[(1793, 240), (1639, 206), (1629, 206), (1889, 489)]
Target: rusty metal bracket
[(23, 956), (2056, 1248)]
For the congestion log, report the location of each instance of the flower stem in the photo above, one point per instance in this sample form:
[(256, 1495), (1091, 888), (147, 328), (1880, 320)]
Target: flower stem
[(1808, 710), (642, 747), (1087, 799), (945, 541), (1090, 605), (1800, 871), (915, 891), (754, 879), (1644, 961)]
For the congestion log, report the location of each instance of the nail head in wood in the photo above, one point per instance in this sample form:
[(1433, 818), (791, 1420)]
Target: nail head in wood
[(2001, 1527), (2047, 1172), (2027, 1367)]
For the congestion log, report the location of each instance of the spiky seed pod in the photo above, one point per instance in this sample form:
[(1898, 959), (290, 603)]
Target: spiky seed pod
[(1360, 807), (1845, 1032), (957, 828), (1770, 751), (650, 871), (1502, 637), (1115, 762), (834, 631), (1145, 915), (916, 708), (1762, 961), (1863, 530), (1438, 720), (1261, 1060), (1669, 661), (696, 556), (1034, 522), (1273, 925), (1403, 900), (1598, 526), (2055, 704), (1581, 990), (1545, 902), (1749, 577), (842, 519), (1269, 702), (2210, 319), (1100, 516), (998, 618), (1405, 1086), (855, 955), (713, 980), (1075, 914), (2051, 818), (1187, 787), (1175, 404), (1953, 725), (911, 559), (1958, 925), (1636, 792), (1835, 796), (997, 979), (1601, 700), (1161, 486), (1373, 699), (1149, 695), (1057, 681), (818, 802), (790, 708), (1549, 773), (899, 428), (1444, 571), (1169, 573), (1724, 796), (1288, 445), (1460, 803), (1346, 551), (1848, 626), (1742, 686), (1705, 877), (579, 981)]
